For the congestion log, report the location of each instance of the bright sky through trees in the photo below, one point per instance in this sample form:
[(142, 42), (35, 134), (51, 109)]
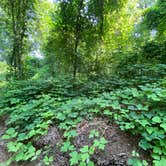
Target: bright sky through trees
[(51, 1)]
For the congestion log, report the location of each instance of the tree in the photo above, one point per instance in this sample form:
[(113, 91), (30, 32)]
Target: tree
[(20, 12), (5, 35), (155, 18), (79, 27)]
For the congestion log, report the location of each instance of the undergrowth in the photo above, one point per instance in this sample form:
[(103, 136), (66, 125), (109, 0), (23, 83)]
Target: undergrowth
[(32, 107)]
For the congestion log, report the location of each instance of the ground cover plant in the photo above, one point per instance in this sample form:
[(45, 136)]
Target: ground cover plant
[(82, 83), (140, 111)]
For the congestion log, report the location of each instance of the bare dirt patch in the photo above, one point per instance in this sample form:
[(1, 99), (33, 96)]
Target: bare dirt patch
[(116, 153), (3, 151), (119, 147)]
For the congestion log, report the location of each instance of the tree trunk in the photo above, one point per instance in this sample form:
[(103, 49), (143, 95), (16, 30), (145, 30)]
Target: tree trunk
[(77, 38), (19, 21)]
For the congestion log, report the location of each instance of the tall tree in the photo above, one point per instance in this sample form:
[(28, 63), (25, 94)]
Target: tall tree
[(79, 26), (20, 12)]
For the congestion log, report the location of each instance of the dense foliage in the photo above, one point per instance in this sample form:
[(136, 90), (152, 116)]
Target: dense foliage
[(68, 61)]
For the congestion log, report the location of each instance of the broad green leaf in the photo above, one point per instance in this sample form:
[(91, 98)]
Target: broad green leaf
[(67, 147), (156, 119), (163, 125), (84, 149), (74, 158), (85, 156)]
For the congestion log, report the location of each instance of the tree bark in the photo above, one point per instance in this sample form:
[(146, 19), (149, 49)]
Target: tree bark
[(18, 10), (77, 37)]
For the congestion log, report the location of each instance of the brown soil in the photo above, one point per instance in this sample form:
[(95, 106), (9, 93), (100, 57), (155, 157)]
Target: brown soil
[(116, 153), (119, 147), (3, 151), (52, 138)]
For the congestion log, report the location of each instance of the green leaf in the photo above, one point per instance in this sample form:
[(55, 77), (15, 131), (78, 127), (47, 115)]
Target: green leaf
[(108, 113), (93, 133), (96, 143), (38, 152), (32, 133), (61, 116), (67, 147), (157, 150), (155, 156), (150, 130), (73, 114), (161, 162), (14, 146), (101, 146), (82, 164), (90, 163), (85, 156), (47, 160), (71, 133), (156, 119), (20, 156), (134, 162), (103, 140), (143, 122), (10, 133), (163, 125), (145, 163), (144, 144), (74, 158), (85, 149), (92, 150), (22, 136)]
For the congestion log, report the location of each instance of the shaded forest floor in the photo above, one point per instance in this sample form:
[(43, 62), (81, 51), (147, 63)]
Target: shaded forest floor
[(64, 122), (117, 152)]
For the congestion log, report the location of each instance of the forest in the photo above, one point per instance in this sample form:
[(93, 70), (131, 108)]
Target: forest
[(82, 82)]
